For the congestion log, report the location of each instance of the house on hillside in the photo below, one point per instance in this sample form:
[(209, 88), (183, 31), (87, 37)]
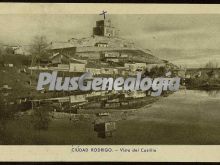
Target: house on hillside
[(94, 71), (59, 58), (101, 44), (22, 50), (63, 67), (65, 62), (109, 71), (135, 94), (8, 65), (77, 98), (106, 55), (64, 48), (77, 67), (123, 71), (44, 61), (88, 54), (113, 57), (134, 67)]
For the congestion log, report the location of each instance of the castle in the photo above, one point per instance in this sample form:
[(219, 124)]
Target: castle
[(103, 43), (105, 28)]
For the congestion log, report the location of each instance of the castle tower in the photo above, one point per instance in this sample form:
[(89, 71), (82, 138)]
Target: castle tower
[(105, 28)]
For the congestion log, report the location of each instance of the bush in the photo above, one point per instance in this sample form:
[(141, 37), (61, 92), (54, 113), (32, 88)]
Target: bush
[(41, 118), (17, 60), (156, 71)]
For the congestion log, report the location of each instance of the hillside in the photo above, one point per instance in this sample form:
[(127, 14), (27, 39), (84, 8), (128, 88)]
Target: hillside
[(92, 47)]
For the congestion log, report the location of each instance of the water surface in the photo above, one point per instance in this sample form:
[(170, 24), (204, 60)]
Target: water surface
[(185, 117)]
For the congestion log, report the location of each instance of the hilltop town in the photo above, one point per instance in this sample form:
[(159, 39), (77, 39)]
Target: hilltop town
[(104, 53)]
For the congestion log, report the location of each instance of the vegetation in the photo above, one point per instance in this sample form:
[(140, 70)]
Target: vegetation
[(156, 72), (39, 46), (5, 116), (211, 64), (41, 118), (205, 78), (16, 60)]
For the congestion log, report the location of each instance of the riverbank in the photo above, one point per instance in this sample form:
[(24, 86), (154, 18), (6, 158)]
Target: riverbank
[(204, 87), (185, 117)]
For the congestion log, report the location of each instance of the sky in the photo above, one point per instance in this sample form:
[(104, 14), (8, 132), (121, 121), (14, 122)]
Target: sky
[(189, 40)]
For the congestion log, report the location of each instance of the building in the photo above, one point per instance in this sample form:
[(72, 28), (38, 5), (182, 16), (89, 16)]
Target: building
[(110, 71), (113, 57), (105, 28), (59, 58), (88, 55), (63, 67), (106, 55), (123, 71), (77, 67), (22, 50), (134, 67), (77, 98), (64, 48), (65, 62), (101, 44), (62, 62), (115, 60), (15, 49), (135, 94), (94, 71), (9, 65), (97, 93)]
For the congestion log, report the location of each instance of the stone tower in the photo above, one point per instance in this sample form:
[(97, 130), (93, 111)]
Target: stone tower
[(105, 28)]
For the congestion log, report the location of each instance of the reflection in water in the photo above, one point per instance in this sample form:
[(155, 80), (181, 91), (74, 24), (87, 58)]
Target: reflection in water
[(184, 106), (207, 93), (104, 125), (105, 129), (213, 93), (184, 117), (4, 117)]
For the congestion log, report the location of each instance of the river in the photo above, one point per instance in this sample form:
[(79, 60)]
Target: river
[(185, 117)]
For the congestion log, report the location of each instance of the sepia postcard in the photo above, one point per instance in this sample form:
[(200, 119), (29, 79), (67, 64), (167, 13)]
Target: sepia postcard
[(109, 82)]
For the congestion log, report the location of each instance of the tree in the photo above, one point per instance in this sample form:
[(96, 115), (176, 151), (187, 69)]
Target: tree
[(38, 49), (156, 71), (9, 51), (211, 65)]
